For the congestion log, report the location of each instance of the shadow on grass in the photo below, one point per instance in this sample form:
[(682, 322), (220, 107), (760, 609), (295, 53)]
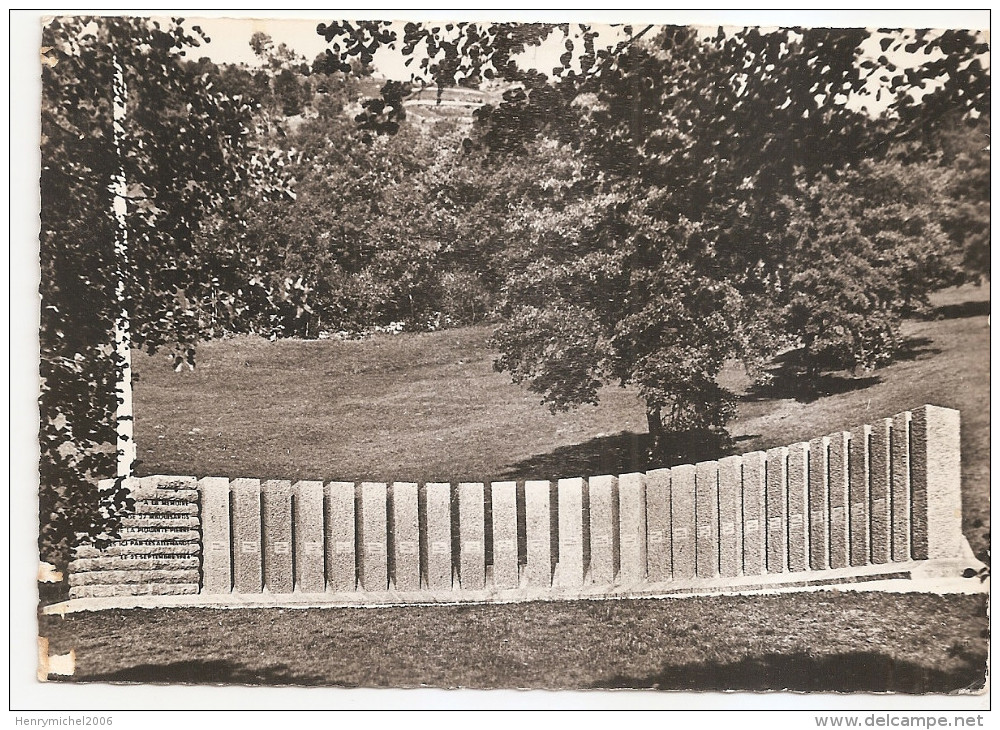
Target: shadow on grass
[(213, 671), (853, 672), (790, 379), (622, 453), (961, 310)]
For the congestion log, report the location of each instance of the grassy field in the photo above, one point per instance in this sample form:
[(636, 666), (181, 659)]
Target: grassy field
[(429, 407), (862, 642)]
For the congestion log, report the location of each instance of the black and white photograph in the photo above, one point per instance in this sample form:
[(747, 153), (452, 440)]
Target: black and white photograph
[(459, 351)]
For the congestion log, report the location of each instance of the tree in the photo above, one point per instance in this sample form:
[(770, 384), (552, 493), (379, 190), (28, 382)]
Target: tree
[(671, 253), (185, 155)]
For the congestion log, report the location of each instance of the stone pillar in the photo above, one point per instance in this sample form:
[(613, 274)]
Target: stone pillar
[(682, 513), (730, 516), (406, 537), (217, 567), (777, 510), (754, 515), (437, 502), (707, 510), (839, 490), (819, 503), (471, 529), (880, 531), (539, 536), (936, 463), (569, 570), (276, 497), (341, 537), (602, 534), (859, 477), (658, 559), (374, 569), (247, 535), (310, 572), (504, 500), (798, 501), (901, 487), (632, 529)]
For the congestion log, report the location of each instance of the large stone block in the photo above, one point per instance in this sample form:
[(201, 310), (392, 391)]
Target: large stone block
[(374, 536), (247, 564), (143, 577), (163, 488), (537, 495), (819, 503), (341, 536), (682, 507), (310, 568), (602, 491), (437, 503), (900, 440), (217, 565), (859, 474), (880, 521), (133, 589), (405, 536), (706, 487), (276, 496), (166, 523), (166, 508), (132, 550), (777, 510), (156, 536), (86, 565), (632, 529), (504, 500), (472, 535), (730, 515), (798, 507), (754, 514), (936, 467), (659, 566), (569, 570), (839, 498)]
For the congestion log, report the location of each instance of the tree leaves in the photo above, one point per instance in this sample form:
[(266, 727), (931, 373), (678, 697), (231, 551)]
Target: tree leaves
[(707, 161), (188, 156)]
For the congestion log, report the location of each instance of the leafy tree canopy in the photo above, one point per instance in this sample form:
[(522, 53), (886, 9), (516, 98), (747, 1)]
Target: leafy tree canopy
[(186, 155), (701, 224)]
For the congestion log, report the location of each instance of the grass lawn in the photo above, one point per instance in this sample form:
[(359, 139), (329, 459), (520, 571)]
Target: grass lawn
[(861, 642), (429, 407)]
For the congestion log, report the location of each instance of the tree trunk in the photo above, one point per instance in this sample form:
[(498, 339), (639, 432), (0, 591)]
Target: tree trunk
[(654, 422), (123, 339)]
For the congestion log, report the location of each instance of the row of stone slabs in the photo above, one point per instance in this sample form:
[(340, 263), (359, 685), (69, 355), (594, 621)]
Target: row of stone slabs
[(641, 527), (365, 532)]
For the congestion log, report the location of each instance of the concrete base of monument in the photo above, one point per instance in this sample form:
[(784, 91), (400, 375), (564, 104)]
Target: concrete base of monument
[(926, 576)]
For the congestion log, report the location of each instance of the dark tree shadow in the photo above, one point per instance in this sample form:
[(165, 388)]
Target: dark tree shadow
[(852, 672), (789, 378), (915, 348), (961, 310), (214, 671), (622, 453)]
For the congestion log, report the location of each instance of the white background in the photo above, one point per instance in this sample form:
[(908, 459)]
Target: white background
[(43, 700)]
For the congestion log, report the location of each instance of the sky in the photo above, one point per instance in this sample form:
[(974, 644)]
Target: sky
[(230, 35)]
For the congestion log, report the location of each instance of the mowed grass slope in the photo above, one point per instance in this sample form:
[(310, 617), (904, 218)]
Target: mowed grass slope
[(864, 642), (411, 407), (429, 407)]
